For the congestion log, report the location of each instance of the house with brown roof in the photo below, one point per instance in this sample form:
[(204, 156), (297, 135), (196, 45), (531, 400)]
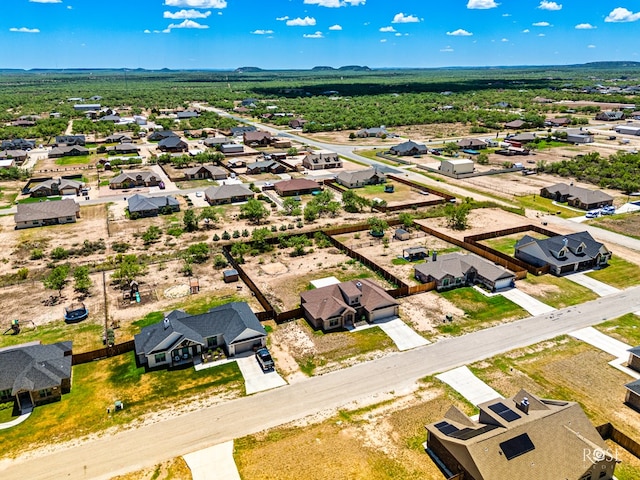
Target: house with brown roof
[(256, 139), (18, 156), (345, 304), (205, 171), (297, 123), (360, 178), (134, 179), (578, 197), (56, 186), (557, 122), (523, 437), (49, 212), (457, 269), (227, 194), (322, 160), (472, 144), (265, 166), (515, 124), (296, 186)]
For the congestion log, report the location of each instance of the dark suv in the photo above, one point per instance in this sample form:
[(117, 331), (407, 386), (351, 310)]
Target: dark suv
[(264, 359)]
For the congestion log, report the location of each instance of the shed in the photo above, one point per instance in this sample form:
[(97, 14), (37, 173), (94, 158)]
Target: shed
[(415, 253), (401, 234), (230, 275), (457, 167)]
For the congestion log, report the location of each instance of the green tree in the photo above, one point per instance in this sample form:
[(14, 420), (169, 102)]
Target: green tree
[(211, 213), (151, 234), (377, 226), (482, 159), (254, 210), (82, 281), (406, 219), (128, 268), (291, 207), (353, 203), (197, 253), (259, 239), (239, 250), (450, 148), (190, 220), (57, 278), (310, 212), (457, 215)]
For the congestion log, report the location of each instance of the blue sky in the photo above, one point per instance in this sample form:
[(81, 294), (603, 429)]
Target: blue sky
[(280, 34)]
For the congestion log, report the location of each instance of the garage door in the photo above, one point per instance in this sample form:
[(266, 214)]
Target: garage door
[(503, 283), (246, 346), (383, 313)]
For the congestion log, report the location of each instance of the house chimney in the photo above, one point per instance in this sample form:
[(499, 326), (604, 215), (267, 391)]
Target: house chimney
[(523, 406), (564, 241), (434, 256), (166, 323), (359, 285)]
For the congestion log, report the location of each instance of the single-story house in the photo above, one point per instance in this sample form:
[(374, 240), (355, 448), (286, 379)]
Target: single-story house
[(236, 162), (114, 118), (521, 138), (173, 144), (557, 122), (345, 304), (18, 156), (633, 394), (240, 131), (230, 148), (123, 148), (18, 144), (56, 186), (472, 144), (49, 212), (360, 178), (409, 148), (457, 167), (577, 196), (296, 186), (187, 114), (181, 337), (279, 142), (563, 253), (227, 194), (68, 140), (134, 179), (524, 436), (85, 107), (213, 142), (265, 166), (609, 116), (70, 151), (256, 138), (515, 124), (379, 132), (634, 358), (34, 374), (143, 206), (158, 135), (457, 269), (575, 135), (205, 171), (118, 138), (321, 160), (297, 122)]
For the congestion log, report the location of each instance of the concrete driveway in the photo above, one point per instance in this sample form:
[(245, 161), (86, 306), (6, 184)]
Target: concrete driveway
[(603, 342), (213, 463), (602, 289), (530, 304), (463, 381), (402, 335), (198, 201), (255, 380)]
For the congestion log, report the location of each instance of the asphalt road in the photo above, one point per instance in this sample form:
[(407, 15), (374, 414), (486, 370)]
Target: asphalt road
[(130, 450)]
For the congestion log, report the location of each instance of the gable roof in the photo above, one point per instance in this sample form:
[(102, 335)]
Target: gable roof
[(56, 184), (297, 184), (548, 249), (160, 134), (65, 150), (408, 147), (141, 203), (34, 367), (234, 321), (471, 143), (584, 195), (50, 209), (132, 176), (213, 170), (225, 192), (172, 142), (355, 176), (458, 264)]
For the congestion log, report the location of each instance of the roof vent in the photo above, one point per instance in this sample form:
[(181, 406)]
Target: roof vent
[(523, 405), (166, 323), (359, 285)]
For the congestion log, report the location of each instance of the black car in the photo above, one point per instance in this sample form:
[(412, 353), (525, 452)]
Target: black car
[(264, 359)]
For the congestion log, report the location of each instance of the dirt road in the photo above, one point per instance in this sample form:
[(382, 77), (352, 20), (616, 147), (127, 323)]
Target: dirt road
[(107, 456)]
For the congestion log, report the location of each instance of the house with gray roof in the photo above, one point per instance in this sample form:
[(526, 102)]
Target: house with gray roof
[(158, 135), (68, 151), (56, 186), (227, 194), (215, 141), (457, 269), (187, 114), (134, 179), (379, 132), (634, 358), (70, 140), (32, 374), (118, 138), (522, 437), (43, 213), (205, 171), (17, 144), (360, 178), (265, 166), (563, 253), (409, 148), (173, 144), (472, 144), (143, 206), (15, 155), (609, 116), (632, 398), (578, 197), (182, 338), (123, 149)]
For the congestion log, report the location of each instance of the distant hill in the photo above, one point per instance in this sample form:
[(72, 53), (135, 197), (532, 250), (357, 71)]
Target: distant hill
[(248, 70), (322, 68), (610, 65), (355, 68)]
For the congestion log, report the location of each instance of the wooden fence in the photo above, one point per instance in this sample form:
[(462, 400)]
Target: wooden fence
[(609, 432), (118, 349)]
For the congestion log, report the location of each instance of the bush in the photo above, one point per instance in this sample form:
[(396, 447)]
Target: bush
[(120, 247), (36, 254), (225, 235), (59, 253), (216, 238), (23, 273)]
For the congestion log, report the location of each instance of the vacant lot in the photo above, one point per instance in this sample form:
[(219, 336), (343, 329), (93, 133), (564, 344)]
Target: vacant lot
[(619, 273), (626, 224), (624, 328), (559, 292)]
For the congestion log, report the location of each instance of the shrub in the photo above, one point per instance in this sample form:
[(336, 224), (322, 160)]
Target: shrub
[(216, 238), (59, 253), (120, 247), (225, 235), (36, 254), (23, 273)]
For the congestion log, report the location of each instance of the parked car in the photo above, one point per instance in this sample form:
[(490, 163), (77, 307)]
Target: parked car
[(608, 210), (198, 194), (593, 214), (161, 185), (264, 359)]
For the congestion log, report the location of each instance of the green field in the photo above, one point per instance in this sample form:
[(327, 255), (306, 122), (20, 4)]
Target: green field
[(619, 273), (559, 292), (545, 205), (625, 328), (79, 160)]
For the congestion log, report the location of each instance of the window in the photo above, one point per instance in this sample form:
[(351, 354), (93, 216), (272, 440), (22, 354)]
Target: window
[(334, 322), (445, 282), (161, 357), (212, 342), (603, 474), (45, 393), (5, 393)]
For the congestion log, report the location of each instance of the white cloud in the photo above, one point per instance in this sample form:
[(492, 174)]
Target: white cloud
[(541, 35), (526, 30), (506, 14), (384, 40), (621, 14), (262, 32), (387, 29), (591, 46), (446, 49), (69, 7), (585, 26), (24, 30), (313, 35), (504, 40), (335, 3), (147, 31), (45, 1), (197, 3), (335, 27), (551, 6), (186, 24), (402, 18), (459, 33), (541, 24), (481, 4), (182, 14), (301, 22), (282, 19)]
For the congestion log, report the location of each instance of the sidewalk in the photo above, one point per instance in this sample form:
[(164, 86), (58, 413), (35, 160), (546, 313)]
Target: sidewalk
[(213, 463)]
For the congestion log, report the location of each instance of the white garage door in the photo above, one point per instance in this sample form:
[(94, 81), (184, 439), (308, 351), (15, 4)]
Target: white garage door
[(383, 313), (503, 283)]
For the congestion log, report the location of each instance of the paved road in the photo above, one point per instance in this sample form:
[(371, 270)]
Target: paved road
[(598, 233), (146, 446)]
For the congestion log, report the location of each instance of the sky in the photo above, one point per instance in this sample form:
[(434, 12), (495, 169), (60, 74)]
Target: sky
[(300, 34)]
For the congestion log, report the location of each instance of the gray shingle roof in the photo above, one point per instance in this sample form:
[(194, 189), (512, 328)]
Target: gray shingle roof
[(458, 264), (28, 212), (547, 249), (225, 192), (634, 387), (140, 203)]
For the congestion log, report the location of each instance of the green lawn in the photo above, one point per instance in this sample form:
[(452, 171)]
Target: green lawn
[(86, 336), (619, 273), (6, 410), (559, 292), (546, 144), (79, 160), (38, 199), (478, 310), (545, 205), (97, 385), (507, 244), (625, 328)]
